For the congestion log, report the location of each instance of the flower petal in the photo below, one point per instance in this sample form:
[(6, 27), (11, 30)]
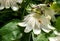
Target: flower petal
[(50, 27), (50, 12), (19, 1), (36, 31), (30, 25), (52, 39), (1, 7), (56, 32), (23, 24), (7, 4), (36, 28), (44, 20), (48, 17), (14, 6), (27, 29), (45, 28)]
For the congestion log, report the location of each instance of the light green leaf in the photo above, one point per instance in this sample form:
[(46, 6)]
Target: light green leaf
[(58, 1), (56, 7)]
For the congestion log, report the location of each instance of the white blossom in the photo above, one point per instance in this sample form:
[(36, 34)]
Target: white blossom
[(10, 3), (37, 21)]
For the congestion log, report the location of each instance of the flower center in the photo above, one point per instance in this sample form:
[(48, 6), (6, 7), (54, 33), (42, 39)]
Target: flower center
[(39, 21)]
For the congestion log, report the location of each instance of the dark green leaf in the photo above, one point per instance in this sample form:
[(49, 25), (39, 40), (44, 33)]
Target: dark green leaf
[(40, 37), (10, 31), (58, 24)]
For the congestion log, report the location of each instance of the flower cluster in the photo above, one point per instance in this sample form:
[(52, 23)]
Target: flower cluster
[(38, 19), (10, 3)]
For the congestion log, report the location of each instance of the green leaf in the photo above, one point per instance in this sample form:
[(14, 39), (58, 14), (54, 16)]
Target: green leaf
[(56, 7), (58, 1), (40, 37), (10, 31), (58, 24), (26, 37)]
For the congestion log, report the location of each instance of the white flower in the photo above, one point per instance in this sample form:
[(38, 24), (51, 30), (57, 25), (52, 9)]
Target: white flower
[(57, 38), (38, 19), (36, 22), (10, 3)]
